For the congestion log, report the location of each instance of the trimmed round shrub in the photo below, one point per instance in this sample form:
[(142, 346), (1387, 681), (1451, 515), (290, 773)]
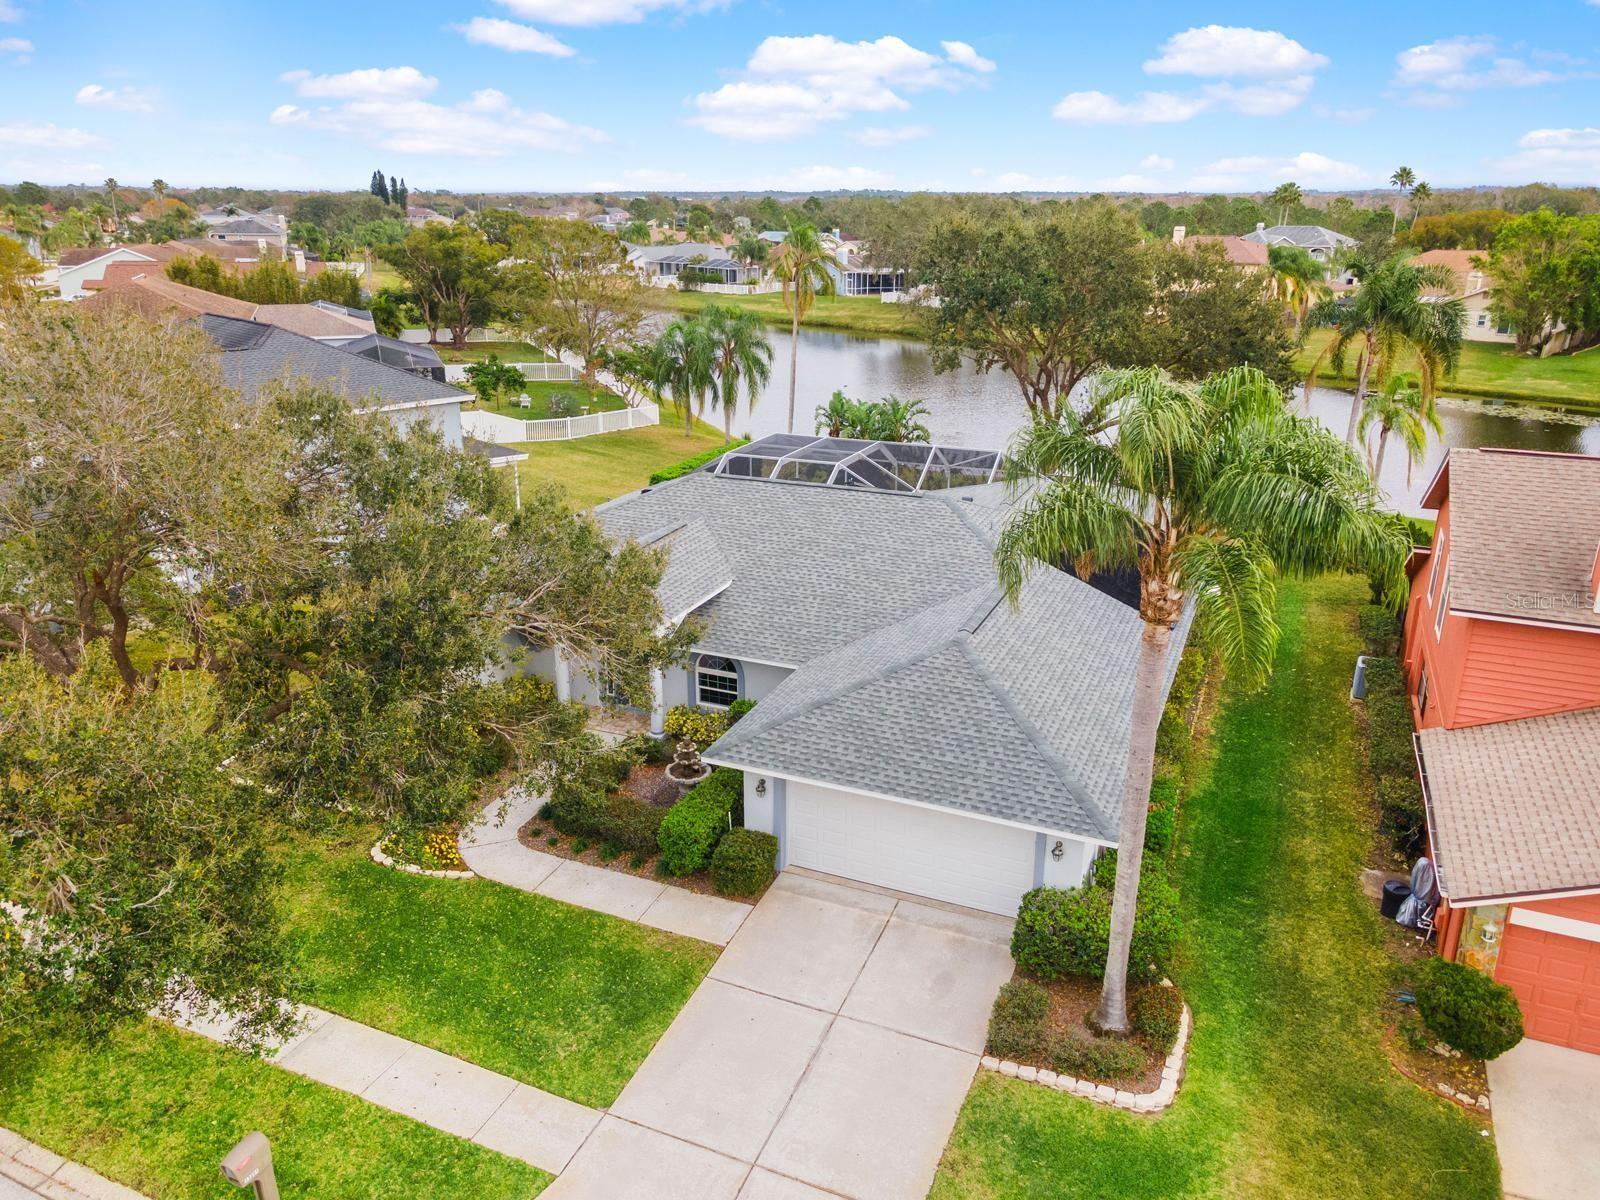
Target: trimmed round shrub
[(1155, 1013), (738, 709), (744, 862), (575, 807), (1067, 931), (1466, 1010), (1096, 1058), (695, 824), (698, 725), (629, 824)]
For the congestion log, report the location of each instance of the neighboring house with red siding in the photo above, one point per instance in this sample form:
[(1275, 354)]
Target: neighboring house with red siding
[(1502, 659)]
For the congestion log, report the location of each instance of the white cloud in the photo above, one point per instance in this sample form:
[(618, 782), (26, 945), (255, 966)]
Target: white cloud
[(1345, 116), (1157, 162), (372, 83), (1556, 155), (828, 179), (1224, 50), (1280, 67), (1246, 172), (604, 12), (41, 136), (127, 99), (487, 125), (792, 85), (21, 49), (964, 55), (1463, 64), (876, 136), (9, 12), (508, 35), (1151, 108)]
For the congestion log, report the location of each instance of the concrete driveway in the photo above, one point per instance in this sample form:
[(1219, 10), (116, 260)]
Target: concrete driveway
[(827, 1054), (1546, 1105)]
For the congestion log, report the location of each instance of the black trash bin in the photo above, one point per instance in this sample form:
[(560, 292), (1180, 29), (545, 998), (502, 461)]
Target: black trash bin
[(1395, 893)]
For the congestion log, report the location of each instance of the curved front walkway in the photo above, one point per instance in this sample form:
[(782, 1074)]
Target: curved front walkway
[(490, 847)]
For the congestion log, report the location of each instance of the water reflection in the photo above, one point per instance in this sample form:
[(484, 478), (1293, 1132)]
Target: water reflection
[(985, 410)]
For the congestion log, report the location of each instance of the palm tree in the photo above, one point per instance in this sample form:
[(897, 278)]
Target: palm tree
[(1298, 279), (895, 420), (740, 351), (1402, 179), (1389, 315), (1208, 490), (1421, 193), (111, 195), (1285, 196), (837, 415), (159, 187), (751, 249), (1399, 409), (684, 366), (802, 264)]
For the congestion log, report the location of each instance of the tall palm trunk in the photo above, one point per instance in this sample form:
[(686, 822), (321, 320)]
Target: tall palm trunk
[(1383, 445), (1359, 404), (794, 357), (1148, 680)]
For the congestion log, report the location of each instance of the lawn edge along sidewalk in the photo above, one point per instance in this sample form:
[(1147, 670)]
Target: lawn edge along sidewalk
[(47, 1173)]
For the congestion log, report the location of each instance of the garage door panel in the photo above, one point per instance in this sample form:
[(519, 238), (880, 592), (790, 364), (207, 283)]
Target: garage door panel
[(923, 851), (1557, 982)]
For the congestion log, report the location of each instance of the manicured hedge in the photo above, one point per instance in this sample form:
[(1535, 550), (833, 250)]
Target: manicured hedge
[(628, 823), (1467, 1010), (1067, 931), (744, 862), (695, 462), (1379, 630), (1155, 1013), (1392, 758), (1096, 1058), (695, 824), (1016, 1025), (1401, 815)]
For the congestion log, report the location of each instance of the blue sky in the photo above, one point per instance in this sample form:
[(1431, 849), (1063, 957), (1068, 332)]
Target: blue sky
[(556, 95)]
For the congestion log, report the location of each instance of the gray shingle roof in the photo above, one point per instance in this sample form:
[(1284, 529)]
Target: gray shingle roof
[(246, 227), (1308, 236), (816, 567), (1021, 714), (696, 569), (1513, 806), (255, 355), (1524, 530)]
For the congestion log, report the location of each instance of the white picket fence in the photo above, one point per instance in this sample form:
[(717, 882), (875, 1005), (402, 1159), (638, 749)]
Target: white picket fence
[(493, 427), (533, 372)]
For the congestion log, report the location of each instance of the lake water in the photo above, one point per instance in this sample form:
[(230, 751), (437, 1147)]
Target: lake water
[(966, 408)]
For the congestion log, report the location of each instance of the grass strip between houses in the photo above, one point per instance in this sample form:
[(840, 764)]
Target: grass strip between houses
[(562, 998), (1288, 1094), (595, 469), (156, 1109)]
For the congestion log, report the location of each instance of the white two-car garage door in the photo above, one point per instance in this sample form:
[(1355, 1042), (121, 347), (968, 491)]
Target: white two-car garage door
[(962, 860)]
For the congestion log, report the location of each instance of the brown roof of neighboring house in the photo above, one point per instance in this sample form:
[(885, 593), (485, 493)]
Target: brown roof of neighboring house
[(1470, 279), (1524, 530), (154, 295), (1514, 807), (310, 321), (1237, 250)]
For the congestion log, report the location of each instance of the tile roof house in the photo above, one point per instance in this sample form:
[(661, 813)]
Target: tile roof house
[(151, 293), (1474, 287), (913, 730), (1502, 660), (1240, 251), (83, 268)]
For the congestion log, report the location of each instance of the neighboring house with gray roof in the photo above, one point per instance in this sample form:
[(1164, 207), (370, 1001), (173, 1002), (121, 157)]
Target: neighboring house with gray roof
[(254, 231), (1320, 242), (663, 262), (913, 729)]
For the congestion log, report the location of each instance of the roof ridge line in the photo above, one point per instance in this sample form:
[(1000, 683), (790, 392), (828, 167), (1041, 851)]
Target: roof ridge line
[(1057, 765)]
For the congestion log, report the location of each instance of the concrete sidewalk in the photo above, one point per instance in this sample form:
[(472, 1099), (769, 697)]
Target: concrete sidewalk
[(28, 1171), (448, 1093), (490, 847), (1547, 1121)]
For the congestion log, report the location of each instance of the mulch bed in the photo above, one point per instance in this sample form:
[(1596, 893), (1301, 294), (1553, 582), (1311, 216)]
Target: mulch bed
[(537, 835), (1071, 1000), (649, 785)]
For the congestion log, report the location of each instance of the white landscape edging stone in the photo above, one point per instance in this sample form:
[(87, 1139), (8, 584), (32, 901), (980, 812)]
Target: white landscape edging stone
[(383, 860), (1101, 1093)]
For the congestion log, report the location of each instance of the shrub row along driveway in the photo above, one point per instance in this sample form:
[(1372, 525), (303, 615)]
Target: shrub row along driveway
[(829, 1048), (1288, 1093)]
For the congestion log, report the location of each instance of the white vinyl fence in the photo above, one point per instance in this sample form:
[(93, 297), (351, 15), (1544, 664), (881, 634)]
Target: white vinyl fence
[(533, 372), (492, 427)]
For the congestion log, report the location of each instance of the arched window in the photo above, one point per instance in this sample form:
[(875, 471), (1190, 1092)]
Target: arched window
[(716, 681)]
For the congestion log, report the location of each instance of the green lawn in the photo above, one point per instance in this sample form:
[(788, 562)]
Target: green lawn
[(156, 1109), (505, 351), (595, 469), (562, 998), (1493, 371), (1289, 1094), (849, 314), (539, 394)]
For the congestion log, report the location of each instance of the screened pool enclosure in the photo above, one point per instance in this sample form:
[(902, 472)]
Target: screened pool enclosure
[(906, 467)]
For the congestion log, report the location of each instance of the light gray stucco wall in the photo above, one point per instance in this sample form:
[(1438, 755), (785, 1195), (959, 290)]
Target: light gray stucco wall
[(446, 418)]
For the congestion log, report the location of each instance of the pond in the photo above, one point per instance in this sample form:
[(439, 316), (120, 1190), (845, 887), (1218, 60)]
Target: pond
[(966, 408)]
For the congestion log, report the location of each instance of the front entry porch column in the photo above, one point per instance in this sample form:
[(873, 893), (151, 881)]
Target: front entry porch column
[(563, 677), (658, 704)]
